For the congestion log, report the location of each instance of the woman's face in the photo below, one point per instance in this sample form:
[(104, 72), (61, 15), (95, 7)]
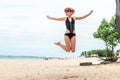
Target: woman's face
[(69, 12)]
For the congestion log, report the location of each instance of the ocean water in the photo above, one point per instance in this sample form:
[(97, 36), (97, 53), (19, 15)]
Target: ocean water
[(9, 57)]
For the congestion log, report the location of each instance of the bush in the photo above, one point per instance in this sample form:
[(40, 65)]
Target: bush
[(100, 53)]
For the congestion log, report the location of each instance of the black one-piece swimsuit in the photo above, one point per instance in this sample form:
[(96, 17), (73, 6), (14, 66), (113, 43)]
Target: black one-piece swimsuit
[(70, 26)]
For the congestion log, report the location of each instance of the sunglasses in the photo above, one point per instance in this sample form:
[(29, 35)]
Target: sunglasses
[(69, 10)]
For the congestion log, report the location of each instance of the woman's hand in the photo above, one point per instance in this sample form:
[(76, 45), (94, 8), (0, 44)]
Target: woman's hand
[(48, 17), (91, 12)]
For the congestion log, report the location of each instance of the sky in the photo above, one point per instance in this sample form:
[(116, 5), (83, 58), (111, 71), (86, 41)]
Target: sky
[(25, 29)]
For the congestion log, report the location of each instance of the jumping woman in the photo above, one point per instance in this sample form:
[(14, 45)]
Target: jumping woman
[(70, 34)]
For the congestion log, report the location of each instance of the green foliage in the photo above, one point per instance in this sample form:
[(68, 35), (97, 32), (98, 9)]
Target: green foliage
[(107, 32), (100, 53)]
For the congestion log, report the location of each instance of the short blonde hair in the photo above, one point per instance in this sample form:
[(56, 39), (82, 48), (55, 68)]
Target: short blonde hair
[(69, 8)]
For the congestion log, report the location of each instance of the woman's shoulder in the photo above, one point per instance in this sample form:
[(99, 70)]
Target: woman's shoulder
[(65, 18)]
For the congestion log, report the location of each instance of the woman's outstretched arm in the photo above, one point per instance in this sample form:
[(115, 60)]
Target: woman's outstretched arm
[(82, 17), (57, 19)]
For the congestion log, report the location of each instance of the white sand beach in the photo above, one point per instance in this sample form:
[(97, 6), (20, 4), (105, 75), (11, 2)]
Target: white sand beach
[(57, 69)]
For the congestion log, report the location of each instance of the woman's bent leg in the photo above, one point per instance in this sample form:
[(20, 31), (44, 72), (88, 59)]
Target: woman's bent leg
[(66, 47)]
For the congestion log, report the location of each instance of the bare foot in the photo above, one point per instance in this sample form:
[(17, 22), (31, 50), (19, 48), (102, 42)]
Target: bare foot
[(57, 43)]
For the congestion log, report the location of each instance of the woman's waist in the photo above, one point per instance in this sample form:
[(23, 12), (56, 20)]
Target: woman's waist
[(67, 31)]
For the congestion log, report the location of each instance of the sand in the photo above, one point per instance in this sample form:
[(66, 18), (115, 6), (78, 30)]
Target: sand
[(58, 69)]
